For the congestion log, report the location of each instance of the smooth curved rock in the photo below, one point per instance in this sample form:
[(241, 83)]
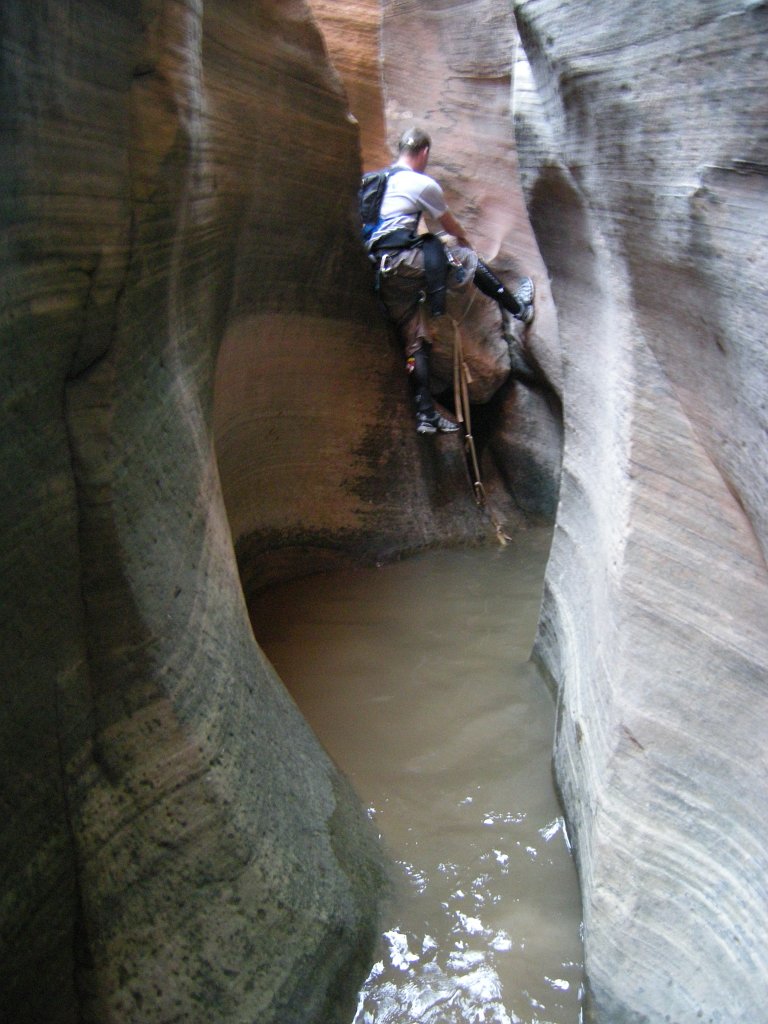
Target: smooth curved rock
[(462, 94), (180, 178), (644, 168), (308, 365), (176, 844), (352, 33), (319, 460)]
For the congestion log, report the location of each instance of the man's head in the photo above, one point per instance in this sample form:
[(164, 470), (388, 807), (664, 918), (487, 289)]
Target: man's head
[(413, 146)]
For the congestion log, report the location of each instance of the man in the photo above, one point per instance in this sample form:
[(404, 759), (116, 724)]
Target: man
[(413, 267)]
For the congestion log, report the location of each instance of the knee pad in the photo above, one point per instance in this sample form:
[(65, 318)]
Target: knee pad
[(491, 286)]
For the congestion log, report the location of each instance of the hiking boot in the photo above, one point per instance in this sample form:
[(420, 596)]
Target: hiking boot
[(524, 298), (431, 425)]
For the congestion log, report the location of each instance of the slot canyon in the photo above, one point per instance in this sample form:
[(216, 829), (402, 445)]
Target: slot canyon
[(201, 398)]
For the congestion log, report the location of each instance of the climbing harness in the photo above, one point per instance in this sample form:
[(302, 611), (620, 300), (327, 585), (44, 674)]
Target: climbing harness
[(460, 274)]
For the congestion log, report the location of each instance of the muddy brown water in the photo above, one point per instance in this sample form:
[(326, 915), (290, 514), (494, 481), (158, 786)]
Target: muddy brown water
[(416, 678)]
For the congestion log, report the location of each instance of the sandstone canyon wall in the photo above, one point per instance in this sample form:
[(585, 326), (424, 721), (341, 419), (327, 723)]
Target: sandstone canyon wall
[(176, 845), (314, 431), (180, 252), (643, 154), (449, 67), (642, 139)]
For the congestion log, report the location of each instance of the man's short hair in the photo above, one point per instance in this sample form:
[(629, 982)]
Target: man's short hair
[(413, 141)]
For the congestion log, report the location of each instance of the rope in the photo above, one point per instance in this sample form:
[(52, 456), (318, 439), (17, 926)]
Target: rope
[(472, 297), (462, 378)]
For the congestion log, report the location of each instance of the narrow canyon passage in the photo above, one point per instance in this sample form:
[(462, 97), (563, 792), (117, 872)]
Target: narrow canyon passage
[(416, 678)]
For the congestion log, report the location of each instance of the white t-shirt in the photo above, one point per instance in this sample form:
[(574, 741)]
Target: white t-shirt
[(408, 195)]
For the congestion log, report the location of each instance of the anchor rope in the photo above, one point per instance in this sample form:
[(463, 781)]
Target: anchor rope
[(462, 378)]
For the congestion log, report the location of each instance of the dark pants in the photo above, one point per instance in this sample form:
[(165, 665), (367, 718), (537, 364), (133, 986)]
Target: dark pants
[(418, 367), (421, 269), (436, 272)]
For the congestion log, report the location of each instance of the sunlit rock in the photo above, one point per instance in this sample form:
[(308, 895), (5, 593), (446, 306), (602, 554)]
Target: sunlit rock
[(352, 34)]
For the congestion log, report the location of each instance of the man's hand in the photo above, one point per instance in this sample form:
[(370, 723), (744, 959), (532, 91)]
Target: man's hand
[(452, 226)]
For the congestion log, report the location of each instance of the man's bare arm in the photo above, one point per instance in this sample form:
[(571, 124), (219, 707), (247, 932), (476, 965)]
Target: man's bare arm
[(452, 226)]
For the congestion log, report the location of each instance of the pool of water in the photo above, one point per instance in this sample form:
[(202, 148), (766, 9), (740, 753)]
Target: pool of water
[(416, 678)]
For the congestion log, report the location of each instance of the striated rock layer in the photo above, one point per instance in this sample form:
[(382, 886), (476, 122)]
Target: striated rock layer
[(181, 262), (352, 34), (448, 67), (175, 844), (643, 151), (314, 430)]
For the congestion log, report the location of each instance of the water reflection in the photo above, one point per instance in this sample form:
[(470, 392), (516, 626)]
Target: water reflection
[(416, 679)]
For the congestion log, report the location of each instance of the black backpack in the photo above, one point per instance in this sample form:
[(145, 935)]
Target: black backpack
[(373, 185)]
